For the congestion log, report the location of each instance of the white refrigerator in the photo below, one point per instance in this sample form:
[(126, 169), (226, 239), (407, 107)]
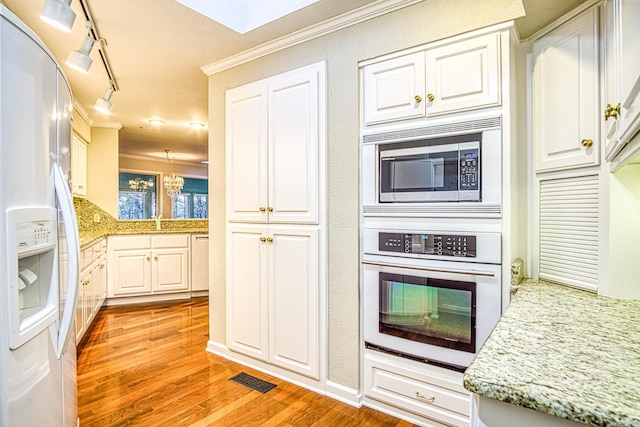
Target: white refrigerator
[(39, 245)]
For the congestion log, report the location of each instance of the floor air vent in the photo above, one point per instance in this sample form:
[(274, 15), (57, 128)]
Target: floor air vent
[(252, 382)]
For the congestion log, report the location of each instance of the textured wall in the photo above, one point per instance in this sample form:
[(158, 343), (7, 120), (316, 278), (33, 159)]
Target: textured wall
[(102, 155), (342, 50)]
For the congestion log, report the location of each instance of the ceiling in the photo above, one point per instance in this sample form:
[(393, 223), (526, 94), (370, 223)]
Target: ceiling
[(156, 49)]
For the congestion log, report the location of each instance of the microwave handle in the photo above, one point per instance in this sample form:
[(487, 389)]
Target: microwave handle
[(435, 270)]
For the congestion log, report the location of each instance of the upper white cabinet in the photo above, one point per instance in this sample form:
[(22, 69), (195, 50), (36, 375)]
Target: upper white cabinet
[(437, 79), (621, 103), (272, 129), (78, 166), (394, 89), (463, 75), (564, 94)]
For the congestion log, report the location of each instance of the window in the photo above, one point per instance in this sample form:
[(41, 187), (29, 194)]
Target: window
[(193, 201), (136, 196)]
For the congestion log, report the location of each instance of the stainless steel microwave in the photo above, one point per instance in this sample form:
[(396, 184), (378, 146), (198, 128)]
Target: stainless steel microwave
[(446, 169), (453, 170)]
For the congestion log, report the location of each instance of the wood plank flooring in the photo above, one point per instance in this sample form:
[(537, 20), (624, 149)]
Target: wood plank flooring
[(146, 365)]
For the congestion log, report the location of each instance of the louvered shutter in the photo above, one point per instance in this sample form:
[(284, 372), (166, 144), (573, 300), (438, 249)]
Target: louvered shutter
[(569, 231)]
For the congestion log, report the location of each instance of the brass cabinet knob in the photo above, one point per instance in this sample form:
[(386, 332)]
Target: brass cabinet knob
[(587, 143), (418, 98), (269, 209), (611, 111), (270, 239), (430, 97), (263, 239), (262, 209)]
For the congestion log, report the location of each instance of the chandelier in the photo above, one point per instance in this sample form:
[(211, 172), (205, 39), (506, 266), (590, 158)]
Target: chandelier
[(172, 182), (139, 184)]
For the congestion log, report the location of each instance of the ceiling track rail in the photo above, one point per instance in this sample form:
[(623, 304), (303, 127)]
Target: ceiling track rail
[(93, 31)]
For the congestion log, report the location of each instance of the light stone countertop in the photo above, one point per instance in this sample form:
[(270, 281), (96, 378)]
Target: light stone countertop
[(564, 352)]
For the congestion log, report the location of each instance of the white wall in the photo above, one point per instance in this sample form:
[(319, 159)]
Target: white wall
[(342, 50)]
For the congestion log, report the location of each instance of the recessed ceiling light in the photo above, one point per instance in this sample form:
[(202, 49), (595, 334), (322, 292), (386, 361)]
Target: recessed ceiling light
[(197, 125), (205, 162), (156, 122)]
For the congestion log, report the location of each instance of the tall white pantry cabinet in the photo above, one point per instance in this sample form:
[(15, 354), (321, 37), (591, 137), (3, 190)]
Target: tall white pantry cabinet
[(274, 187)]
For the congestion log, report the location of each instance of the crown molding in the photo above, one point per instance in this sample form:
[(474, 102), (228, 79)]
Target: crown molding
[(109, 125), (159, 160), (340, 22), (82, 112)]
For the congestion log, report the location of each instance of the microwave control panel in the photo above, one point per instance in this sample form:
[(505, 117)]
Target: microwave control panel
[(428, 244), (469, 169)]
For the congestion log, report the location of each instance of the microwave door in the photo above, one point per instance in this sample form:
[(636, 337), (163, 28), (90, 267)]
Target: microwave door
[(419, 174)]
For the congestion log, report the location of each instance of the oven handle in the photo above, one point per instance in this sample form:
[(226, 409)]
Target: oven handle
[(435, 270)]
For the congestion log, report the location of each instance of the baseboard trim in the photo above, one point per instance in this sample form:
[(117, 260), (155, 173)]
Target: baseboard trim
[(344, 394)]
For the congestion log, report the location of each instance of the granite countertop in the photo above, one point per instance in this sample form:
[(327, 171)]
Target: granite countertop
[(564, 352)]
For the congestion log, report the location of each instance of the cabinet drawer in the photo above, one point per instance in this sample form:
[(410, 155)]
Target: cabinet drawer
[(129, 242), (99, 249), (428, 391), (86, 257), (170, 241)]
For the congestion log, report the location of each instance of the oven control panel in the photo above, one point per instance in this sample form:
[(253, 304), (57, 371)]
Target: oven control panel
[(428, 244)]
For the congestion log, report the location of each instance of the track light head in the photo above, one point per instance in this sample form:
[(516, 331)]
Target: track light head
[(59, 14), (104, 104), (80, 59)]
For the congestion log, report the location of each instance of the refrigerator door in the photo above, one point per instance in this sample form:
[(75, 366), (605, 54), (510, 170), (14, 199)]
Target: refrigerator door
[(32, 376)]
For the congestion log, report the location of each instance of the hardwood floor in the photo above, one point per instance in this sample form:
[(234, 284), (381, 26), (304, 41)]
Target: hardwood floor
[(147, 366)]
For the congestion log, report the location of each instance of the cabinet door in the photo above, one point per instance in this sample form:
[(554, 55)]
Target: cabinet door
[(565, 117), (246, 155), (170, 270), (393, 89), (81, 306), (293, 147), (247, 319), (623, 72), (463, 75), (293, 299), (200, 262), (99, 278), (129, 272), (78, 166)]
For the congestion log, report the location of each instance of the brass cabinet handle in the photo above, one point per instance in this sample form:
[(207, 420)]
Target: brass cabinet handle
[(155, 257), (430, 97), (425, 398), (418, 98), (612, 111), (101, 266), (586, 143), (269, 209), (263, 239), (262, 209), (148, 258), (270, 239)]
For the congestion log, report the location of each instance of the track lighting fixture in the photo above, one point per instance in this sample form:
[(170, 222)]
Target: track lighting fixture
[(59, 14), (80, 59), (104, 104)]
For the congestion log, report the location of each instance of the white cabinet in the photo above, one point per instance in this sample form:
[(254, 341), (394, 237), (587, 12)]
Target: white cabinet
[(622, 97), (78, 166), (148, 265), (464, 75), (564, 93), (93, 286), (433, 393), (272, 295), (440, 78), (394, 89), (199, 263), (273, 132), (274, 162)]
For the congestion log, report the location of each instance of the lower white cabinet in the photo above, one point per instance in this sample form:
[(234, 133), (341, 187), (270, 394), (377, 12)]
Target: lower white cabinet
[(148, 265), (200, 263), (93, 286), (436, 395), (272, 295)]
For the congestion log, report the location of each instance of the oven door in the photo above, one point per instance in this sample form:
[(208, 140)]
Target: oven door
[(434, 310)]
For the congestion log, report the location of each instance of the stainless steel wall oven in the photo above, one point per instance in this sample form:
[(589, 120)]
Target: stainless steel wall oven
[(431, 295)]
